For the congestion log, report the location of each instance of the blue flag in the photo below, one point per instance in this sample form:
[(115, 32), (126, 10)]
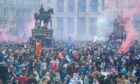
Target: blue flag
[(69, 40)]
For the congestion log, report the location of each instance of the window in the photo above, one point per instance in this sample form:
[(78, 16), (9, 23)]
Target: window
[(12, 12), (60, 27), (0, 1), (82, 5), (23, 3), (103, 5), (1, 11), (71, 5), (5, 12), (93, 5), (70, 25), (19, 2), (17, 28), (49, 1), (60, 6), (93, 27), (17, 13), (14, 2), (28, 12), (136, 20), (81, 26), (8, 2), (12, 28), (5, 1), (11, 1), (25, 13), (8, 12), (22, 12)]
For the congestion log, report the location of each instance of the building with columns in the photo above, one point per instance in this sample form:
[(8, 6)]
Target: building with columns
[(85, 19), (16, 15), (76, 18)]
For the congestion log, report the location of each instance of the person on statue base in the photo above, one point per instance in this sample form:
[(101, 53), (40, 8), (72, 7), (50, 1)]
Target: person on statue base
[(38, 25), (45, 25)]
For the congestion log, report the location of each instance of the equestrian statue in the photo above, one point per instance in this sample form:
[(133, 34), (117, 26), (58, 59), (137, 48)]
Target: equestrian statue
[(43, 16)]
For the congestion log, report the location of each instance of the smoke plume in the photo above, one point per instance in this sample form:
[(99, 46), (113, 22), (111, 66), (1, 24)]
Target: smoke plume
[(130, 30)]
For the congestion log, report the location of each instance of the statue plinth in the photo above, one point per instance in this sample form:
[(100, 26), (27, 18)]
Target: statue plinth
[(42, 32)]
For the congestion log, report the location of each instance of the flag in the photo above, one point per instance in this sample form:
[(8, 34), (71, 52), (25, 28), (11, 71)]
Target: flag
[(108, 70), (60, 55), (111, 60), (69, 40), (72, 67), (38, 50), (76, 55), (17, 35)]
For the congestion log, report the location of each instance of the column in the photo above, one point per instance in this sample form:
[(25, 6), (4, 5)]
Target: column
[(1, 10), (75, 26), (87, 27), (99, 29), (65, 33), (54, 24), (87, 6), (76, 18)]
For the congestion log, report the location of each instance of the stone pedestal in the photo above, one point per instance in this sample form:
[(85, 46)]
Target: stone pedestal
[(43, 34)]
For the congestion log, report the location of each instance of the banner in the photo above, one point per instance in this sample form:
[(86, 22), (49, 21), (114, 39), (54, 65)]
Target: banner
[(38, 50)]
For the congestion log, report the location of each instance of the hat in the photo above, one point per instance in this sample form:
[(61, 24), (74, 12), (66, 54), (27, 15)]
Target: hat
[(47, 73), (35, 72)]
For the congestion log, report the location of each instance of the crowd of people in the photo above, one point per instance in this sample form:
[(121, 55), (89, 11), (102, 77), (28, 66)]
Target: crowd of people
[(82, 62)]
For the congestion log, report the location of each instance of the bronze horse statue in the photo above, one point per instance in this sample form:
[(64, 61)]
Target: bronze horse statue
[(43, 15), (47, 15)]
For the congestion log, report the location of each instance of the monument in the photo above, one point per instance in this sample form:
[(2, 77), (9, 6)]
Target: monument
[(119, 28), (41, 32)]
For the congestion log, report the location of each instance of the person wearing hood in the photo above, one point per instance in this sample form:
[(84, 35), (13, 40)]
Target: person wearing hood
[(86, 80), (47, 78)]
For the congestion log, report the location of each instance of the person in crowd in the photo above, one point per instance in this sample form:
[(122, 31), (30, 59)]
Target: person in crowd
[(47, 78), (57, 78), (44, 67), (84, 62), (86, 80), (95, 81), (124, 80)]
